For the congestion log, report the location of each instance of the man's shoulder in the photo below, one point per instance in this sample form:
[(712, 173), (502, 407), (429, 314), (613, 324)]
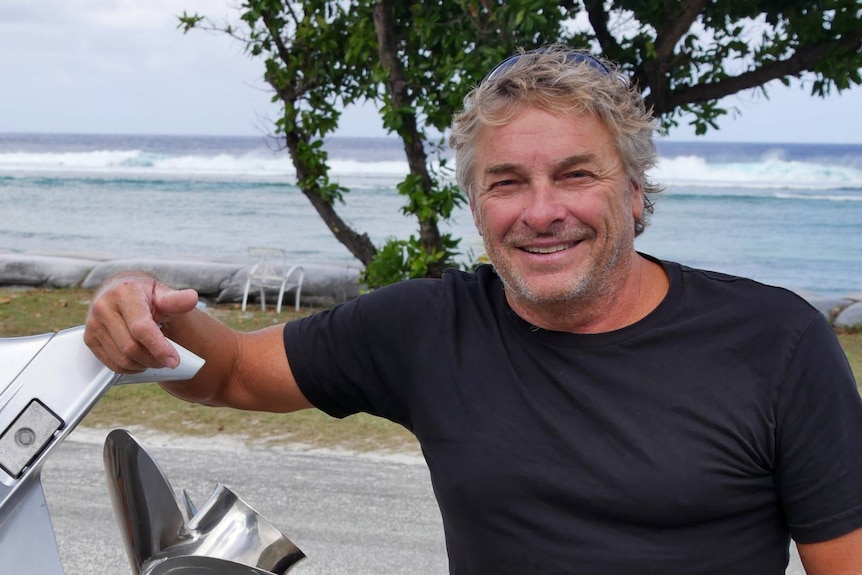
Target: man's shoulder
[(714, 288), (733, 283), (454, 287), (481, 275)]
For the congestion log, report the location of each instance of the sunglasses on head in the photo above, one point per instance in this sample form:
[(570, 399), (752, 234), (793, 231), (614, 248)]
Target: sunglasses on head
[(572, 57)]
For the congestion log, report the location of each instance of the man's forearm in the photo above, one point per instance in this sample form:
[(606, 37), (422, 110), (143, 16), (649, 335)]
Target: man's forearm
[(216, 343)]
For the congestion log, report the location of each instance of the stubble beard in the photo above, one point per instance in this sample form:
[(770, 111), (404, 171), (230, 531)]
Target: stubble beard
[(586, 285)]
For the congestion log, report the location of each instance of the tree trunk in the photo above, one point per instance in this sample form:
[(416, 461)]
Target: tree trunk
[(398, 86), (360, 245)]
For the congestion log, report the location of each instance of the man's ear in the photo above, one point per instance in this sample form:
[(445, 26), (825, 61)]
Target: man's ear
[(477, 218), (636, 193)]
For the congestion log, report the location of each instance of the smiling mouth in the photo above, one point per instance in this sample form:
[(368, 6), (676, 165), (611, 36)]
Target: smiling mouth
[(548, 249)]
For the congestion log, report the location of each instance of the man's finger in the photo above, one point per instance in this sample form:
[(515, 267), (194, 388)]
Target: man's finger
[(107, 351), (145, 342), (169, 302)]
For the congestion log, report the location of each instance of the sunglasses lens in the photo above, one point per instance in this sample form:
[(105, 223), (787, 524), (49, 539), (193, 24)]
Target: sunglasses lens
[(571, 58)]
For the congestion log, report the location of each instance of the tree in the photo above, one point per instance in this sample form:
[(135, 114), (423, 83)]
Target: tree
[(687, 55), (429, 54), (301, 44), (417, 59)]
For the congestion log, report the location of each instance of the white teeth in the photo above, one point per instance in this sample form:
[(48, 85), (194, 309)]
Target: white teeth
[(547, 250)]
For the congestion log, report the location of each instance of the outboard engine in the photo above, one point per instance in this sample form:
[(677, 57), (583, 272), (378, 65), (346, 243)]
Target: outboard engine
[(48, 383)]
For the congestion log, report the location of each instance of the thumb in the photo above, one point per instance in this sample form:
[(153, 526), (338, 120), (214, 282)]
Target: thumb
[(168, 302)]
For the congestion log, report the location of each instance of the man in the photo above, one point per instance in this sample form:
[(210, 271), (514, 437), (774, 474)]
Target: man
[(583, 408)]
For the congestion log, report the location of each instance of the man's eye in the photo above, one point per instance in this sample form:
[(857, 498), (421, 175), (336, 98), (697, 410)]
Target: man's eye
[(501, 184)]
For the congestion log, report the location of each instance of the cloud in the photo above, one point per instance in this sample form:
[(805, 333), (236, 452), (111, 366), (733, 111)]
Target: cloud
[(123, 66)]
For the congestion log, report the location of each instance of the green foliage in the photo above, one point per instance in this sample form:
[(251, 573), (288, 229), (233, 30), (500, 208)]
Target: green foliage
[(25, 312), (686, 61), (399, 260), (415, 60), (189, 21)]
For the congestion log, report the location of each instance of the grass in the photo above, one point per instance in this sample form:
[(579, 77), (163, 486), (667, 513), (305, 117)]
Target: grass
[(37, 311), (851, 342)]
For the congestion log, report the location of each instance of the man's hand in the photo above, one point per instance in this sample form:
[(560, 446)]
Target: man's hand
[(122, 327)]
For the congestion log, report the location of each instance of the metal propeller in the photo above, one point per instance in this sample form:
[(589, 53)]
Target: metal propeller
[(48, 383), (167, 534)]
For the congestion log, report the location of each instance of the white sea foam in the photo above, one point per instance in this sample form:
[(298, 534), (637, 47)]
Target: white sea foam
[(138, 162), (65, 160), (769, 172), (787, 215)]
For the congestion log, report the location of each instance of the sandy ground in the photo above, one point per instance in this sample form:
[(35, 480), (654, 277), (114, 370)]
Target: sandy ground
[(350, 514)]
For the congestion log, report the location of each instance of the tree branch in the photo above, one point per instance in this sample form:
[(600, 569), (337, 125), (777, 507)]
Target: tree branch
[(804, 59), (655, 70), (674, 28), (599, 21), (399, 92)]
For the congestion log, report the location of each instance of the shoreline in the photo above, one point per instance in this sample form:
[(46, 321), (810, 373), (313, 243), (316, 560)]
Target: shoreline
[(223, 281), (216, 280)]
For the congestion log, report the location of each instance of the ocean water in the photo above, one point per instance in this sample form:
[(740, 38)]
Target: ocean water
[(784, 214)]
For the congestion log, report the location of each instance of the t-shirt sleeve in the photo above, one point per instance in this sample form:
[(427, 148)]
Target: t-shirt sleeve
[(357, 356), (819, 439)]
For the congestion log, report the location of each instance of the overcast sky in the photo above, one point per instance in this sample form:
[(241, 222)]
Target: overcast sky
[(122, 66)]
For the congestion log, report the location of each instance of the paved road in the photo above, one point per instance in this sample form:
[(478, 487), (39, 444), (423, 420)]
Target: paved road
[(350, 515)]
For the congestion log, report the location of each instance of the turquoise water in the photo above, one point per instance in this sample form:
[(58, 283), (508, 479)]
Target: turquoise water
[(788, 215)]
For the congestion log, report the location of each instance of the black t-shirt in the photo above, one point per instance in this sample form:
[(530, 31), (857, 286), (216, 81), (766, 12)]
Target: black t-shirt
[(694, 441)]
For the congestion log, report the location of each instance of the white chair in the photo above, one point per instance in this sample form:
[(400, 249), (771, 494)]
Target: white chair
[(271, 273)]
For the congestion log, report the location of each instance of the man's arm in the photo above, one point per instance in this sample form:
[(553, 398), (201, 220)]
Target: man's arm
[(132, 316), (839, 556)]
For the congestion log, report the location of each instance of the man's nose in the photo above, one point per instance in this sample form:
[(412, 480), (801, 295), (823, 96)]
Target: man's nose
[(544, 207)]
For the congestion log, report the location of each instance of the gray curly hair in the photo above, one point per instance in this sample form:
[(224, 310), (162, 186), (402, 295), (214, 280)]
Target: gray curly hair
[(562, 81)]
